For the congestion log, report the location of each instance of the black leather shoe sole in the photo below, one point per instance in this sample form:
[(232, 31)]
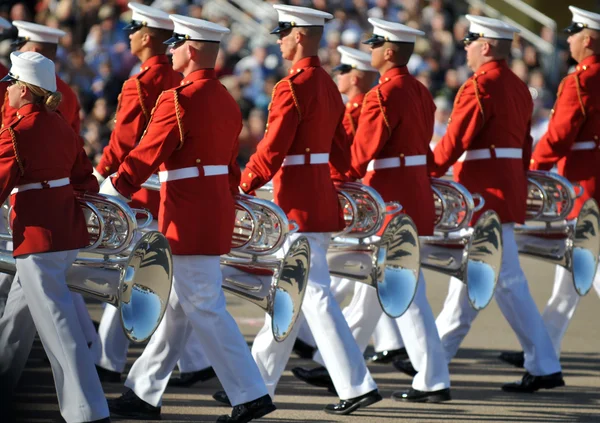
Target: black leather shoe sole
[(433, 397), (188, 379), (516, 359), (386, 357), (362, 403), (529, 389), (321, 382), (256, 414)]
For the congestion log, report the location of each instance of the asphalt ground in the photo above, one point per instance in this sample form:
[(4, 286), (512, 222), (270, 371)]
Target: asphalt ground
[(476, 375)]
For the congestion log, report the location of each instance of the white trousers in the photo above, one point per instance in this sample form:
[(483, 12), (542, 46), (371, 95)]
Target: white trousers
[(515, 301), (562, 304), (341, 355), (387, 336), (111, 345), (39, 299), (83, 315), (197, 303), (417, 326)]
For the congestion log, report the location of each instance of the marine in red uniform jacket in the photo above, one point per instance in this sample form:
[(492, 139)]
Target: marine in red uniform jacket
[(194, 125), (304, 126), (396, 124), (573, 136), (68, 108), (492, 112), (138, 98), (39, 146)]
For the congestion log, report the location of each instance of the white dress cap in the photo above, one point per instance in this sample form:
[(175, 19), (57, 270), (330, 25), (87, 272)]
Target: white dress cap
[(33, 68), (482, 27), (294, 16), (583, 19), (354, 59), (393, 32), (29, 31), (148, 16), (192, 29), (4, 24)]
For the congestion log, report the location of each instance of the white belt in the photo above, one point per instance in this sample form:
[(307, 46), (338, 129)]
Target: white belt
[(484, 153), (389, 162), (41, 185), (300, 159), (584, 145), (191, 172)]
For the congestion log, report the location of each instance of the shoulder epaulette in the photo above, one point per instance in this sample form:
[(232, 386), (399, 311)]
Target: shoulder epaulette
[(291, 85), (473, 82), (13, 137)]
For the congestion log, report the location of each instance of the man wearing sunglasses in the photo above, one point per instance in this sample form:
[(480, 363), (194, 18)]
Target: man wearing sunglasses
[(489, 139), (572, 142), (148, 30)]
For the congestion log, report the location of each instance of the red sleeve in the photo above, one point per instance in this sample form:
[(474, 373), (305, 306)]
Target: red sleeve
[(466, 121), (284, 117), (339, 158), (567, 119), (374, 130), (130, 121), (10, 170), (235, 173), (159, 141)]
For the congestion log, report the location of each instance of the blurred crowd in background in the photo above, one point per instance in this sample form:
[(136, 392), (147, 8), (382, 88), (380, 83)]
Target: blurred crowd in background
[(94, 56)]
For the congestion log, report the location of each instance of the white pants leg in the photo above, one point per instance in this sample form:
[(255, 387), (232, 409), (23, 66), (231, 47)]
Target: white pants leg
[(43, 286), (341, 355), (197, 303), (386, 336), (340, 288), (417, 326), (515, 301), (192, 358), (83, 315)]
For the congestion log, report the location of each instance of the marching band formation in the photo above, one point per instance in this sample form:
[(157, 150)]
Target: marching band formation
[(334, 195)]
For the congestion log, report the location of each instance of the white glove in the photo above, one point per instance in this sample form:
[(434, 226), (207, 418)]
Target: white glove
[(108, 188), (99, 177)]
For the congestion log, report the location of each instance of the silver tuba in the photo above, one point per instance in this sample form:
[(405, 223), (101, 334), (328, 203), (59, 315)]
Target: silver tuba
[(547, 235), (135, 277), (260, 231), (472, 255), (378, 247)]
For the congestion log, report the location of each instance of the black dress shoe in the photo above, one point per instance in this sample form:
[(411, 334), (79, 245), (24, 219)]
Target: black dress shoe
[(132, 406), (248, 411), (315, 377), (304, 350), (414, 395), (517, 359), (531, 383), (388, 356), (405, 366), (108, 376), (350, 405), (190, 378), (221, 396)]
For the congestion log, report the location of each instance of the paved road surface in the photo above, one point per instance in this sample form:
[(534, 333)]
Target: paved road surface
[(476, 375)]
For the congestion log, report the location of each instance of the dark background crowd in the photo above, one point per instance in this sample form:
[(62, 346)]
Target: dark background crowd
[(94, 56)]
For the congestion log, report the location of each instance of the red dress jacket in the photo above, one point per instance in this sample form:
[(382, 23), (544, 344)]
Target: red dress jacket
[(396, 121), (575, 119), (305, 118), (138, 97), (352, 114), (39, 146), (68, 108), (491, 110), (193, 125)]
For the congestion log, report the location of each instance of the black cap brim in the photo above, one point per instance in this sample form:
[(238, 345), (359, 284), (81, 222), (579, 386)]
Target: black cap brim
[(133, 26), (574, 28), (173, 40), (375, 39), (8, 78), (18, 42), (342, 68)]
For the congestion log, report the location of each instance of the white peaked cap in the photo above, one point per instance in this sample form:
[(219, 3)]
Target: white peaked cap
[(491, 28), (392, 32), (32, 68), (4, 24), (193, 29), (29, 31), (291, 16), (357, 59), (150, 16), (586, 19)]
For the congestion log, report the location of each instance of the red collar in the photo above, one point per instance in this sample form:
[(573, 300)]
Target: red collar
[(355, 101), (391, 73), (29, 109), (590, 60), (494, 64), (307, 62), (199, 74), (159, 59)]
